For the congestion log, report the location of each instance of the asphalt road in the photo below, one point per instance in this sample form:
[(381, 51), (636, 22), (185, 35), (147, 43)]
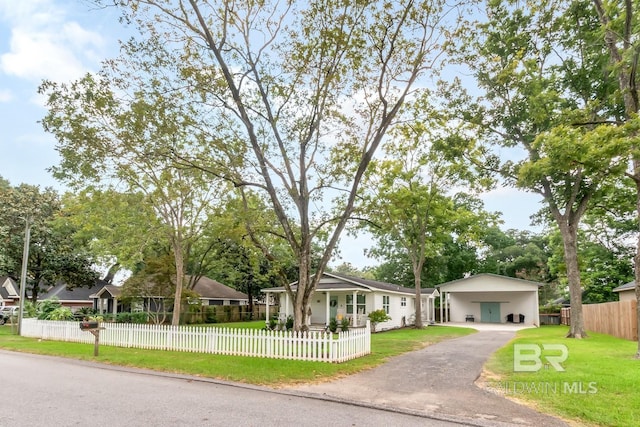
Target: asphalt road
[(48, 391)]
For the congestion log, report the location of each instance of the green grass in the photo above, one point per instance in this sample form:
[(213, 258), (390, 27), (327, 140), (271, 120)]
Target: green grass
[(600, 384), (271, 372)]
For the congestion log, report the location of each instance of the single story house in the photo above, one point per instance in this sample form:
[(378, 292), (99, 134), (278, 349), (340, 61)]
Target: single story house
[(340, 296), (9, 291), (109, 299), (490, 298), (73, 298), (626, 292)]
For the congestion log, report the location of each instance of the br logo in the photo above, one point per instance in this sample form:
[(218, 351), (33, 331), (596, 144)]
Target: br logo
[(529, 357)]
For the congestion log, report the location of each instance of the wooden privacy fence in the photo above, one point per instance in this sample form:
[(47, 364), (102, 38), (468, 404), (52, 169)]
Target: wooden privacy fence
[(619, 319), (310, 346)]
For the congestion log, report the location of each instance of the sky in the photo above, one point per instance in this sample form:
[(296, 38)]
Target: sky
[(60, 40)]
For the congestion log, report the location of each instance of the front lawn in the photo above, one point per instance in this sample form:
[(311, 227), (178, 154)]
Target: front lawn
[(599, 384), (271, 372)]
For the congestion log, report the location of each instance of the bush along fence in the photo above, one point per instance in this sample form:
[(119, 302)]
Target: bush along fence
[(316, 346)]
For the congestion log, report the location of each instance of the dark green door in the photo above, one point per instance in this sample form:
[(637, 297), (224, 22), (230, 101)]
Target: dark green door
[(490, 312)]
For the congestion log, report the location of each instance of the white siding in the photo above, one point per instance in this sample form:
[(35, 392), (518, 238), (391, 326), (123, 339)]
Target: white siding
[(468, 303), (489, 283)]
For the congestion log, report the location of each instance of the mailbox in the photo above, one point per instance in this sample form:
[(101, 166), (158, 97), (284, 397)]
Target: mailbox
[(86, 325)]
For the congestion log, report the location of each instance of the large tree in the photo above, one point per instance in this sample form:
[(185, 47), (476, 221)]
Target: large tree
[(303, 93), (54, 254), (540, 69), (411, 199), (119, 133), (620, 29)]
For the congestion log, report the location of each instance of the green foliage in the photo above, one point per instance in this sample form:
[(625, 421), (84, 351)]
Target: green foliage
[(137, 317), (289, 323), (61, 313), (46, 307), (85, 312), (54, 252), (333, 324), (550, 308), (270, 137), (378, 316), (273, 323), (30, 309), (344, 324), (210, 314), (546, 88)]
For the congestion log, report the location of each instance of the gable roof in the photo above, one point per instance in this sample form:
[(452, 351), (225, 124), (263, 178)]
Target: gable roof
[(63, 293), (343, 282), (205, 287), (626, 287), (8, 288), (212, 289), (516, 281), (113, 291)]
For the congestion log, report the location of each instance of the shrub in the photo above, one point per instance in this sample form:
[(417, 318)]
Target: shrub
[(123, 318), (550, 308), (333, 324), (289, 323), (46, 307), (140, 317), (378, 316), (60, 313), (344, 324), (210, 314), (273, 323)]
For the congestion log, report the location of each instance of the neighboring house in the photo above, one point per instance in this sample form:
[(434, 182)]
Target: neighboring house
[(109, 298), (490, 298), (339, 296), (73, 298), (9, 291), (626, 292)]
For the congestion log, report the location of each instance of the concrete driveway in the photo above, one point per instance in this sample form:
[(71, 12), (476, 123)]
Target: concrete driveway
[(439, 382), (504, 327)]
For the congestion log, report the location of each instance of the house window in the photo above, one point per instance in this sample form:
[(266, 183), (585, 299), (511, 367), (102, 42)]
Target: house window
[(385, 303), (403, 302), (361, 304)]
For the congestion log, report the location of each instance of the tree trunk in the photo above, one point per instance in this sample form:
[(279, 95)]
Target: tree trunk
[(177, 303), (300, 297), (417, 281), (250, 293), (570, 239)]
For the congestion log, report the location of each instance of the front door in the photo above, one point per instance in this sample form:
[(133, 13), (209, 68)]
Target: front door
[(333, 307), (490, 312)]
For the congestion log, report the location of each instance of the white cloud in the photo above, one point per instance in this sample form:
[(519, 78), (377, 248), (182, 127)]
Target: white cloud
[(45, 43), (5, 95)]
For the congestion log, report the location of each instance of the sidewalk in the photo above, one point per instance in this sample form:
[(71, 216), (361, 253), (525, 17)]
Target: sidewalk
[(437, 381)]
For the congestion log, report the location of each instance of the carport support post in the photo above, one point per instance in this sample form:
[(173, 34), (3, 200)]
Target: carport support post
[(441, 311)]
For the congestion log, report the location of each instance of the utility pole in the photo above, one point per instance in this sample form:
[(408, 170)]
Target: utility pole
[(23, 274)]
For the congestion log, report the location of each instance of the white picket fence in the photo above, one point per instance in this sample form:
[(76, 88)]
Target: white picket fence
[(311, 346)]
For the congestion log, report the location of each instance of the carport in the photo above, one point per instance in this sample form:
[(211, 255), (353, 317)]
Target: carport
[(490, 298)]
